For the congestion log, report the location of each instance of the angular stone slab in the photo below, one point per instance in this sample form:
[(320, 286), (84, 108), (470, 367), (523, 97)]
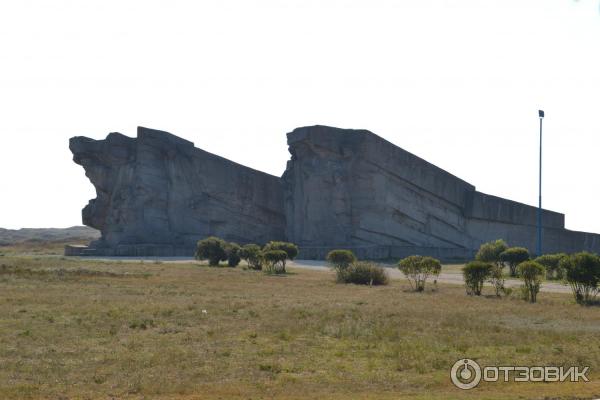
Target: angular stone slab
[(158, 195), (352, 189)]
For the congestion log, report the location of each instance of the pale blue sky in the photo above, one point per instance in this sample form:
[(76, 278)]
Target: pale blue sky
[(458, 83)]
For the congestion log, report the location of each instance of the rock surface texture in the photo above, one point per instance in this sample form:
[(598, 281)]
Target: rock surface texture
[(158, 194), (351, 188)]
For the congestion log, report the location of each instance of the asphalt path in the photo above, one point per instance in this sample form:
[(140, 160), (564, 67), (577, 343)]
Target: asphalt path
[(453, 276)]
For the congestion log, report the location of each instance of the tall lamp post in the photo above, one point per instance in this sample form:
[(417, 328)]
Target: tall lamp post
[(539, 213)]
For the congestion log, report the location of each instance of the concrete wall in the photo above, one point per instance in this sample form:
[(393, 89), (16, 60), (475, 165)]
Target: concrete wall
[(347, 187), (492, 208), (391, 253), (157, 195), (352, 189)]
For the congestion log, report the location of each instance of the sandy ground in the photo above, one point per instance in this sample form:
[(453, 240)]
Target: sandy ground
[(450, 273)]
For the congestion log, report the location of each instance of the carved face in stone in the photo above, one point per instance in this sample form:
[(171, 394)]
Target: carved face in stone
[(158, 189), (109, 165)]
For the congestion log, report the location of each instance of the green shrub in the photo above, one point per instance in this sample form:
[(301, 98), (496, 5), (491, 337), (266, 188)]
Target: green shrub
[(290, 249), (582, 272), (552, 264), (532, 274), (363, 273), (253, 255), (514, 256), (496, 279), (232, 250), (490, 252), (475, 274), (340, 259), (418, 268), (211, 249), (275, 261)]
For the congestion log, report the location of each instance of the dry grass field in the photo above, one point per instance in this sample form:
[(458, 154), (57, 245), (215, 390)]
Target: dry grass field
[(76, 329)]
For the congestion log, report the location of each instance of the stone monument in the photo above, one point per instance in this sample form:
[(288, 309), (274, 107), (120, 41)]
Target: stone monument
[(157, 195)]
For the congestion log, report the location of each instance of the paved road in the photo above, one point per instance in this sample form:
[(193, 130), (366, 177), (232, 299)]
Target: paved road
[(444, 277), (453, 277)]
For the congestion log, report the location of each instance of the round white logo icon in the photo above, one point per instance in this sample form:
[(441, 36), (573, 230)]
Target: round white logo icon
[(465, 374)]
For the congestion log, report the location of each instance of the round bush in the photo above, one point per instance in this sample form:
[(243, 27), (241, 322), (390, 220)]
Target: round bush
[(253, 255), (513, 257), (211, 249), (582, 272), (418, 268), (532, 274), (232, 250), (552, 264), (340, 259), (290, 248), (475, 273), (490, 252), (275, 260), (363, 273)]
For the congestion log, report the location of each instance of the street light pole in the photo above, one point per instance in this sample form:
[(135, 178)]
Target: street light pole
[(539, 213)]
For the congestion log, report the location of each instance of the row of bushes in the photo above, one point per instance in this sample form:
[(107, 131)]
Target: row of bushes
[(498, 253), (476, 273), (349, 270), (272, 257), (580, 270)]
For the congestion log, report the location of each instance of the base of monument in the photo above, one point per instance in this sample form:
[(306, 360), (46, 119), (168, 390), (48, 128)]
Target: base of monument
[(137, 250), (449, 254), (75, 249), (446, 254)]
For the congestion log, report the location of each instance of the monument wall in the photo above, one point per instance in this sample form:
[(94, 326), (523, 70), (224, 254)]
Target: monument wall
[(158, 195), (352, 188), (342, 188)]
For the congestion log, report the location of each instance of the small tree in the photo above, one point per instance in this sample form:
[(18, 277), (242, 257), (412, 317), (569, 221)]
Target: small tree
[(552, 264), (496, 278), (275, 260), (475, 273), (490, 252), (211, 249), (418, 268), (582, 272), (290, 249), (513, 257), (253, 255), (532, 274), (340, 259), (233, 254)]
